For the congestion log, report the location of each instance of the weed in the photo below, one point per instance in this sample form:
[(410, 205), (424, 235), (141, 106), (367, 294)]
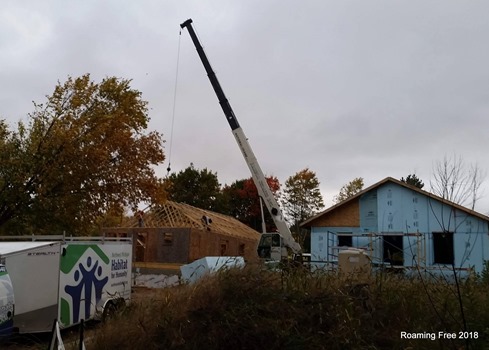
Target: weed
[(256, 309)]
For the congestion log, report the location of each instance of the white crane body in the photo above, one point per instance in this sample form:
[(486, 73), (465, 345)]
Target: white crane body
[(272, 246)]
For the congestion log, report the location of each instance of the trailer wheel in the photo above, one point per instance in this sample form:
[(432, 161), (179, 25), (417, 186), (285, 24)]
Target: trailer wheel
[(110, 310)]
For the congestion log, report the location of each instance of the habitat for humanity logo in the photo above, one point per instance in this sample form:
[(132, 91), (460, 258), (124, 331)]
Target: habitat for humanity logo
[(84, 273)]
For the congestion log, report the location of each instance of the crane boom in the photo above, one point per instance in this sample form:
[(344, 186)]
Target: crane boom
[(257, 174)]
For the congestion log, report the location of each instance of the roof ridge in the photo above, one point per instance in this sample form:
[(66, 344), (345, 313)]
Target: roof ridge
[(174, 214), (400, 183)]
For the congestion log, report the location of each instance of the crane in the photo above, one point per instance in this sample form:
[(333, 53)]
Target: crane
[(272, 246)]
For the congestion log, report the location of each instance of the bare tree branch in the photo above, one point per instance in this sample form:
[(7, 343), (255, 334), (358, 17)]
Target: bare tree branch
[(455, 182)]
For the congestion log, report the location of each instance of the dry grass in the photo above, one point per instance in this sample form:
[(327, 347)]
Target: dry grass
[(257, 309)]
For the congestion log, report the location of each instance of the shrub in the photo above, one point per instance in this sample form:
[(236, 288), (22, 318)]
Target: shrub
[(257, 309)]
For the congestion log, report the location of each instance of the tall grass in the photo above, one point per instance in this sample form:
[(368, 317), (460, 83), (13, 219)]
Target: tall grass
[(257, 309)]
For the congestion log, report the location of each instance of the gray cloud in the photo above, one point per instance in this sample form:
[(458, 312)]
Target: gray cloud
[(346, 88)]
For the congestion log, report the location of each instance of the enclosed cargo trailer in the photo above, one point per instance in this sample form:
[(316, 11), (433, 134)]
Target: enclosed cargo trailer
[(68, 279)]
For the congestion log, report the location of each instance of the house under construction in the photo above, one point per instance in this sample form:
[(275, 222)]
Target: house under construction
[(173, 234), (401, 227)]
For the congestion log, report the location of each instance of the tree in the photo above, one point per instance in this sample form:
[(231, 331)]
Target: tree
[(301, 199), (454, 181), (234, 203), (243, 203), (82, 153), (413, 180), (199, 188), (350, 189)]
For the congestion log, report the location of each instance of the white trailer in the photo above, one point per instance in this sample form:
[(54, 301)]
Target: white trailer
[(68, 279), (6, 303)]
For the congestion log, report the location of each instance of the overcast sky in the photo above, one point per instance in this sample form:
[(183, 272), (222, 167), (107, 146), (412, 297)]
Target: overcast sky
[(360, 88)]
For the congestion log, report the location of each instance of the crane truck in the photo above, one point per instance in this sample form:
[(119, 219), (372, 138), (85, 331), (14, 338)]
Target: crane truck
[(273, 246)]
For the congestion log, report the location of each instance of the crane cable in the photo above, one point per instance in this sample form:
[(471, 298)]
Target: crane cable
[(174, 104)]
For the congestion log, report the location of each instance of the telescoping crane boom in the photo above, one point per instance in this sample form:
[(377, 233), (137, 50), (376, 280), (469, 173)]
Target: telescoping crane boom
[(272, 246)]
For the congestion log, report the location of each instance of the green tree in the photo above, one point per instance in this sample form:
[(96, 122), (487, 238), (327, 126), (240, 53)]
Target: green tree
[(301, 199), (234, 203), (82, 153), (199, 188), (413, 180), (243, 203), (349, 190)]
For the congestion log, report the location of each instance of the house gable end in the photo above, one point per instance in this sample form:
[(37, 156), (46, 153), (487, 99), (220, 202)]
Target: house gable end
[(347, 215)]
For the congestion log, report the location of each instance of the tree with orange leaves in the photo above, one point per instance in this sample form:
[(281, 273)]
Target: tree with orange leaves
[(242, 202), (84, 152)]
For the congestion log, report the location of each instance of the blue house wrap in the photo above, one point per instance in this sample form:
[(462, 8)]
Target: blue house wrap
[(401, 226)]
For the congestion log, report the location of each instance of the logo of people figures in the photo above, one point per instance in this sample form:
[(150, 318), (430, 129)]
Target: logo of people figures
[(89, 280)]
